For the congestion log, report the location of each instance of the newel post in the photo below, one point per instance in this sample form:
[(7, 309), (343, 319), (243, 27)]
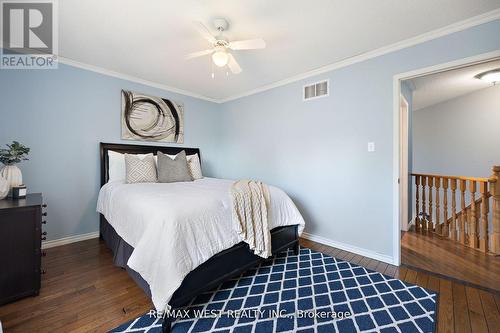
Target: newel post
[(495, 194)]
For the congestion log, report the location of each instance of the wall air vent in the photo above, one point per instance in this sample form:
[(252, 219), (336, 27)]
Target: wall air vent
[(316, 90)]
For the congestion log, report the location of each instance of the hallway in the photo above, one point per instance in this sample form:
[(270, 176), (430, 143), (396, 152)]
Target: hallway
[(443, 257)]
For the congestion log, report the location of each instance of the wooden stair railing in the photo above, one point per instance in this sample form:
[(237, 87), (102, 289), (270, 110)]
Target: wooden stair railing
[(469, 223), (479, 200)]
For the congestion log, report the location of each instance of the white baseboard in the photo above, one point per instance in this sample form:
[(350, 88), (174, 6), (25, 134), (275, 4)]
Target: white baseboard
[(346, 247), (350, 248), (69, 240)]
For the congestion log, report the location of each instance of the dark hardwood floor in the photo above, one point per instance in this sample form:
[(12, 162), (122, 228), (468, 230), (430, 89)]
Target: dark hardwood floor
[(83, 292), (447, 258)]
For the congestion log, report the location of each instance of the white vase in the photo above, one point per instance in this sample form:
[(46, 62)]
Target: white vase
[(12, 174), (4, 187)]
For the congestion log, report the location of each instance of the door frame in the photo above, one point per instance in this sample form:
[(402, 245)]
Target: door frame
[(396, 203), (404, 136)]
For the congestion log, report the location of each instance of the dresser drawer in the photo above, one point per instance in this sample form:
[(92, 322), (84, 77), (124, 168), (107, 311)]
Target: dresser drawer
[(20, 246)]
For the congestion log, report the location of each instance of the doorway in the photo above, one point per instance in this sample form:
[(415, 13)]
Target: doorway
[(426, 232)]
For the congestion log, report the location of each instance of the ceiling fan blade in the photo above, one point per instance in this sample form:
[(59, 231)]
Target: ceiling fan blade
[(204, 32), (198, 54), (233, 65), (248, 44)]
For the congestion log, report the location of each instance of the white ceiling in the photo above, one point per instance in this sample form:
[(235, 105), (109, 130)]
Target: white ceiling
[(440, 87), (149, 39)]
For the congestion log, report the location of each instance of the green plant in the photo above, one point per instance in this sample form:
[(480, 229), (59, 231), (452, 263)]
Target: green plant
[(15, 153)]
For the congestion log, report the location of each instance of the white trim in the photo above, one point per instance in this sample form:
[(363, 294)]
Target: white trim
[(403, 178), (131, 78), (396, 236), (135, 79), (489, 56), (396, 232), (452, 28), (69, 240), (350, 248)]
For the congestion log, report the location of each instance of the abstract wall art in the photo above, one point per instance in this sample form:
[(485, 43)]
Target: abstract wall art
[(150, 118)]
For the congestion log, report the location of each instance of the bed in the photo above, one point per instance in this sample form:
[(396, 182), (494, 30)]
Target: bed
[(156, 229)]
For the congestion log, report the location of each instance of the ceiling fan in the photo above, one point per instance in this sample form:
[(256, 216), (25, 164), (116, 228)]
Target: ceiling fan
[(221, 46)]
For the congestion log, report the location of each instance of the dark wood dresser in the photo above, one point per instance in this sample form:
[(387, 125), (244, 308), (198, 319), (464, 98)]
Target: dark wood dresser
[(20, 247)]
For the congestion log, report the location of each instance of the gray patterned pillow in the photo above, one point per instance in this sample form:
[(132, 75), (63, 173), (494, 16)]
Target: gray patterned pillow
[(140, 170), (173, 170)]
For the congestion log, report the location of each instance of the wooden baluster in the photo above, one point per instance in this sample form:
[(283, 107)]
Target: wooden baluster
[(483, 244), (495, 192), (453, 209), (417, 204), (424, 212), (430, 182), (463, 214), (446, 229), (437, 183), (467, 225), (478, 223), (473, 239)]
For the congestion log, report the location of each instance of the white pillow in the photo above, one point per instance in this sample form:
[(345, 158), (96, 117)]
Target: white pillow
[(116, 166), (194, 165)]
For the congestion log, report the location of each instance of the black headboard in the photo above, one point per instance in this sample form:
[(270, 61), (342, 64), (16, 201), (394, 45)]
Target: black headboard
[(136, 149)]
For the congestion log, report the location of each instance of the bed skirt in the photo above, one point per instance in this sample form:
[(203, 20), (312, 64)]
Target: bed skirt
[(121, 253), (217, 269)]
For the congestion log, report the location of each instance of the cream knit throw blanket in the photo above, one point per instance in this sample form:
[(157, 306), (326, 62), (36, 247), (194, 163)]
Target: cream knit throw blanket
[(250, 215)]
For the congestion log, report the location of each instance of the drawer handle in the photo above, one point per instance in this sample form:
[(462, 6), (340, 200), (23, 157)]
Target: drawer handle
[(44, 233), (44, 205), (44, 222), (44, 214), (44, 238)]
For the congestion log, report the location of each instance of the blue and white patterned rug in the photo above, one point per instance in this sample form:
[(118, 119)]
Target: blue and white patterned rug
[(311, 292)]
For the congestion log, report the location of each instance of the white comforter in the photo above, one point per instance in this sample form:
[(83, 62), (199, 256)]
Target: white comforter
[(175, 227)]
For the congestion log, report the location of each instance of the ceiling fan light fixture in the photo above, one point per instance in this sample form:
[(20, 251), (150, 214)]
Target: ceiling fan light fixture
[(492, 76), (221, 47), (220, 58)]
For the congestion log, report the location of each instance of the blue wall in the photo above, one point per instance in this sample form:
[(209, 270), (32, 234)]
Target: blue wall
[(62, 115), (317, 150), (459, 136)]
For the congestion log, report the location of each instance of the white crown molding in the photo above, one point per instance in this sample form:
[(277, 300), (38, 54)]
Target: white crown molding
[(69, 240), (135, 79), (350, 248), (123, 76), (452, 28)]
